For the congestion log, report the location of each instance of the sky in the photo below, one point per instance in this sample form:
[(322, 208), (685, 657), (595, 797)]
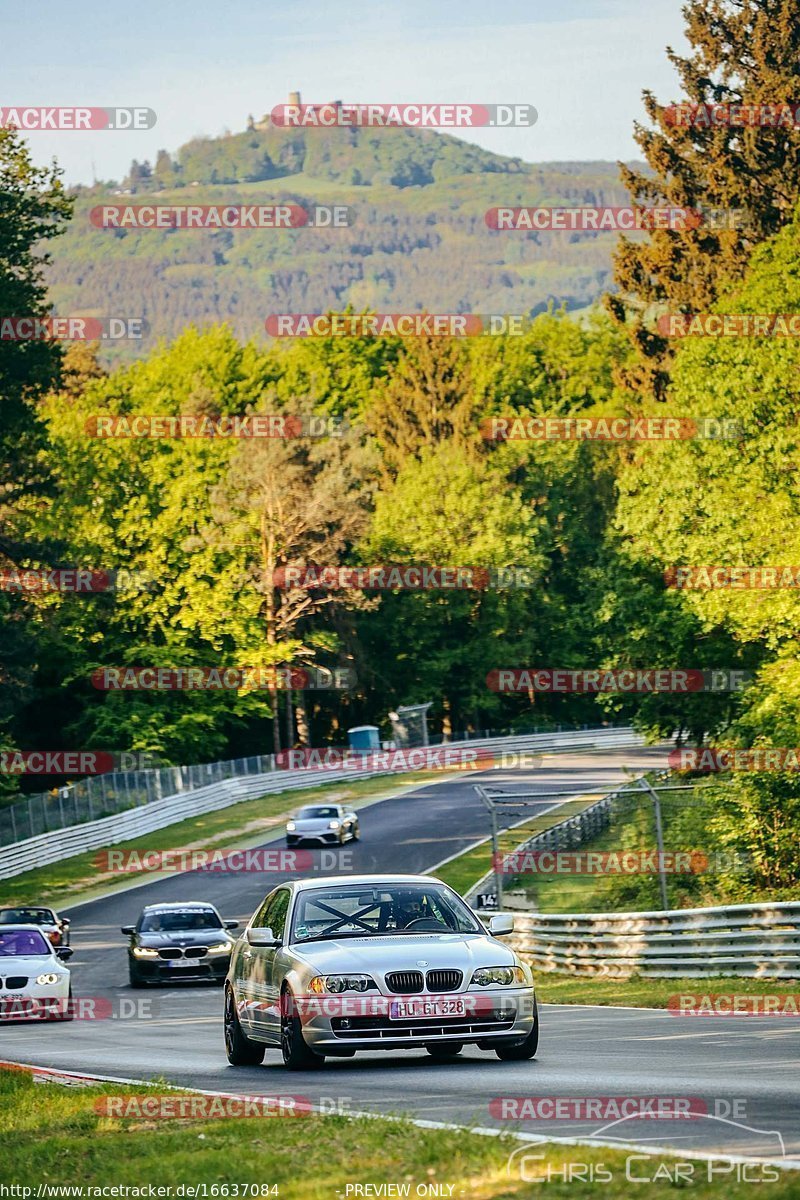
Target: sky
[(204, 65)]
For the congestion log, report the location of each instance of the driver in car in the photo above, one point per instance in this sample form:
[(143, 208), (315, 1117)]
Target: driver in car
[(410, 909)]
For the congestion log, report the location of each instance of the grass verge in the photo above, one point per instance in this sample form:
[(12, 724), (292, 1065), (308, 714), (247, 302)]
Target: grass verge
[(240, 825), (53, 1135), (554, 988), (465, 871)]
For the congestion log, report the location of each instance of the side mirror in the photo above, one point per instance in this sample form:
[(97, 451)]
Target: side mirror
[(128, 929), (262, 937), (500, 924), (231, 924), (64, 920), (64, 952)]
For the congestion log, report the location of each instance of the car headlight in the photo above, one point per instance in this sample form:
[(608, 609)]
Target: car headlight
[(50, 977), (144, 952), (502, 976), (290, 825), (220, 948), (333, 824), (341, 983)]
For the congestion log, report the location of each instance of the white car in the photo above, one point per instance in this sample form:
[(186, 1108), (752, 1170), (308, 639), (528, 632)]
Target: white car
[(325, 824), (330, 966), (34, 982)]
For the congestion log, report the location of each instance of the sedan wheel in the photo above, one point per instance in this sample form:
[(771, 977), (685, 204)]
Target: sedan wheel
[(297, 1056), (241, 1051), (519, 1051)]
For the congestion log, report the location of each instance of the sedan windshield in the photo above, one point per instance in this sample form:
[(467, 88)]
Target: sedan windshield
[(27, 916), (16, 942), (312, 811), (181, 921), (370, 911)]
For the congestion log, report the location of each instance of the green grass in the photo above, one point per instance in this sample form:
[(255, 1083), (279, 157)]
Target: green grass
[(241, 825), (553, 988), (52, 1134), (463, 872)]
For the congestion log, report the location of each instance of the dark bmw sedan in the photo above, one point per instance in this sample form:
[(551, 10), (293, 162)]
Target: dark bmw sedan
[(183, 941)]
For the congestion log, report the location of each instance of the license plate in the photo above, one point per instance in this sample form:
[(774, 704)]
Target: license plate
[(184, 962), (401, 1010)]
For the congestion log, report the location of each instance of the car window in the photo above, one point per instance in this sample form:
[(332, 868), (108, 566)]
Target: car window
[(27, 916), (349, 911), (272, 914), (179, 921), (22, 941), (319, 811)]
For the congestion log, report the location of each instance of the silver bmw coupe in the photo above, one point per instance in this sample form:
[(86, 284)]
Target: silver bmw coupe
[(329, 966)]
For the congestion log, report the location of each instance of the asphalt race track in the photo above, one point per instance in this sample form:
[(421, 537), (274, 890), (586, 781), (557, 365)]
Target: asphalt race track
[(744, 1070)]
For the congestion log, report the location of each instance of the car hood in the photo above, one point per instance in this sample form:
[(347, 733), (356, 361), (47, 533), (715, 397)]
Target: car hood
[(194, 937), (405, 952), (29, 964), (313, 824)]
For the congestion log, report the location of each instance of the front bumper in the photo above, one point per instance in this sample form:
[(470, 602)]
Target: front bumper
[(502, 1014), (329, 837), (160, 970), (35, 1001)]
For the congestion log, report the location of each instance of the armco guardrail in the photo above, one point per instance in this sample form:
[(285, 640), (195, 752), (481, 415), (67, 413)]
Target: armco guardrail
[(134, 822), (746, 940)]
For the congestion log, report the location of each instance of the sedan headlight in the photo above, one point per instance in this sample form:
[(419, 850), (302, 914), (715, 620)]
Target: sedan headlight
[(290, 825), (50, 977), (333, 824), (341, 983), (498, 976), (220, 948), (144, 952)]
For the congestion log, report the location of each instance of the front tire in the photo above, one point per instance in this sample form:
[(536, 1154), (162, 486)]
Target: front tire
[(297, 1055), (241, 1051), (518, 1052)]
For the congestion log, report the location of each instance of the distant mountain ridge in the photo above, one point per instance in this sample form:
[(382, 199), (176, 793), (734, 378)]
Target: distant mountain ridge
[(418, 240)]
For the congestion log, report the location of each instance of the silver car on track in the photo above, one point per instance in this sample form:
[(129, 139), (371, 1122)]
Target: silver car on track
[(323, 825), (329, 966)]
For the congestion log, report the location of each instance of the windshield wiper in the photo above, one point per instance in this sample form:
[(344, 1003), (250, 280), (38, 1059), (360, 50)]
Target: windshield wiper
[(329, 937)]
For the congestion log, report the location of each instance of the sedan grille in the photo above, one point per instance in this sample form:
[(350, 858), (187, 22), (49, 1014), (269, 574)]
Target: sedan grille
[(15, 981), (404, 982), (188, 952), (444, 981)]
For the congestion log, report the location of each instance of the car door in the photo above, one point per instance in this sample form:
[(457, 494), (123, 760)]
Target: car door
[(259, 989)]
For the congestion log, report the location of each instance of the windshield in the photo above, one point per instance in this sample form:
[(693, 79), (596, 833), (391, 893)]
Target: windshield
[(27, 916), (179, 921), (23, 941), (369, 911), (317, 810)]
